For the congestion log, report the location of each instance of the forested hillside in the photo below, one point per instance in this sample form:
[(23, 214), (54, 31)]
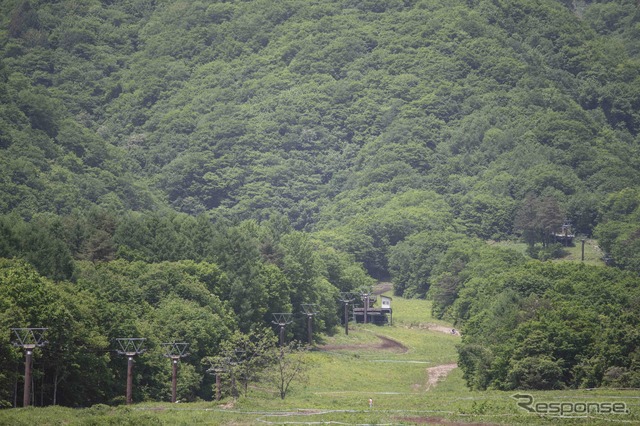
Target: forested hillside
[(162, 161)]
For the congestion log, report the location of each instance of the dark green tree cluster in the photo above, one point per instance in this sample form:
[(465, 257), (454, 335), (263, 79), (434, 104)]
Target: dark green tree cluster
[(536, 325), (527, 324), (540, 220), (618, 232), (162, 277), (75, 364), (551, 326)]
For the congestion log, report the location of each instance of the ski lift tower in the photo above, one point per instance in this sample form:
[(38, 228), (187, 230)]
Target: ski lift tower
[(175, 351), (366, 298), (219, 368), (309, 309), (346, 298), (28, 339), (131, 347), (282, 320)]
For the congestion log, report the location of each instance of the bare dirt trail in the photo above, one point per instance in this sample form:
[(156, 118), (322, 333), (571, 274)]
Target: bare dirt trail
[(436, 421), (385, 343), (435, 375), (382, 287), (442, 329), (438, 373)]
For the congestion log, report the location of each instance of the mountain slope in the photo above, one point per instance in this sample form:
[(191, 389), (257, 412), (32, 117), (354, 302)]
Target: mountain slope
[(247, 108)]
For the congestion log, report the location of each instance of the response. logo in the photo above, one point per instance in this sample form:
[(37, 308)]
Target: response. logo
[(564, 408)]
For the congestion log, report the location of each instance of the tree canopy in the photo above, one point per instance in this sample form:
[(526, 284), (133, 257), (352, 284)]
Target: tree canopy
[(188, 168)]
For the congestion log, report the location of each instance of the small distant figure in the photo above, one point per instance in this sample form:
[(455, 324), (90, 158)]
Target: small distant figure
[(453, 331), (370, 402)]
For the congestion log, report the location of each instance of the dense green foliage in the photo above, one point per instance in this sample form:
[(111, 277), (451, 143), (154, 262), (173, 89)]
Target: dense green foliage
[(187, 168), (551, 326), (163, 299)]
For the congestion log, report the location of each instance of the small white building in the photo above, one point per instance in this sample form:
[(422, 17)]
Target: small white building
[(385, 302), (385, 307)]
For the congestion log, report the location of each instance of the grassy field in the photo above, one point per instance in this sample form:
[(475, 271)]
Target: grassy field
[(348, 370), (592, 252)]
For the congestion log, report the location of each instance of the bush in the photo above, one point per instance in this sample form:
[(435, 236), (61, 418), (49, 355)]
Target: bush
[(537, 372), (551, 251)]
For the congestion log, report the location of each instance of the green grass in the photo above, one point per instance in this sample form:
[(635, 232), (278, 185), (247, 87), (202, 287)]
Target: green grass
[(512, 245), (592, 253), (340, 383), (413, 312)]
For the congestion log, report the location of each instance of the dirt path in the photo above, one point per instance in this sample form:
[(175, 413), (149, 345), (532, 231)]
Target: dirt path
[(385, 343), (382, 287), (391, 344), (443, 329), (438, 373), (436, 421), (436, 327)]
